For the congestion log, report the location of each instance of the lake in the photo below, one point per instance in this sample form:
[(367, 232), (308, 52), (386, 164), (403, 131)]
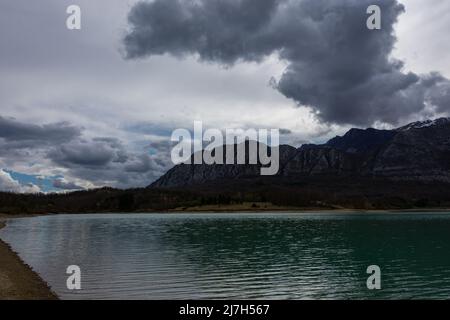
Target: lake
[(238, 256)]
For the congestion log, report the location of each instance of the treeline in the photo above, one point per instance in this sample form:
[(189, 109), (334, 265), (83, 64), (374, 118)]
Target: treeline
[(99, 200), (317, 193)]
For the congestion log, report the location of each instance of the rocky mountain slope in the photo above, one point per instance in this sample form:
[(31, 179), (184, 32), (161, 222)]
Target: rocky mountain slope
[(419, 151)]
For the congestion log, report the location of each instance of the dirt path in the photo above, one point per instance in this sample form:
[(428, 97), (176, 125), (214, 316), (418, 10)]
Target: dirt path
[(17, 280)]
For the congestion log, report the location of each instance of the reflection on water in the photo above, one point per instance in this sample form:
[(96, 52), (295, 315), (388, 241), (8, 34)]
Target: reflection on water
[(238, 256)]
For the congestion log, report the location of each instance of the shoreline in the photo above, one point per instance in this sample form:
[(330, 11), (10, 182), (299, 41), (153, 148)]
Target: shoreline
[(17, 280), (235, 209), (302, 211)]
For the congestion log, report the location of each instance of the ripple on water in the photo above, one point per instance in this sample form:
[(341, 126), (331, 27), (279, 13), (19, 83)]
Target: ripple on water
[(270, 256)]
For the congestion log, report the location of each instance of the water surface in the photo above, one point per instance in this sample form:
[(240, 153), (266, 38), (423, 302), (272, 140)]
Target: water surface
[(238, 256)]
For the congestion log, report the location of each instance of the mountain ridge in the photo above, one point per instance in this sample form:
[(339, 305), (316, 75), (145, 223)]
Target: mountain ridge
[(418, 151)]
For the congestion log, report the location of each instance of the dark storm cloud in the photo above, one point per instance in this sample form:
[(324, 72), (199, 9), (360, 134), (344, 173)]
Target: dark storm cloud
[(222, 31), (336, 66), (83, 154), (16, 131)]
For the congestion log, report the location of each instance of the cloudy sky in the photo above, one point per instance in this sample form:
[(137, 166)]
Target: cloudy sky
[(94, 107)]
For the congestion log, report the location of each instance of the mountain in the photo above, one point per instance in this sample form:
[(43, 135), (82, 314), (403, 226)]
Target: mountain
[(192, 174), (419, 151), (425, 124)]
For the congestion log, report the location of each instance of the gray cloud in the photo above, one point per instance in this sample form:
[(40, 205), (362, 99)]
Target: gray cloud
[(285, 131), (65, 185), (336, 66), (83, 154), (106, 161), (16, 131), (97, 161)]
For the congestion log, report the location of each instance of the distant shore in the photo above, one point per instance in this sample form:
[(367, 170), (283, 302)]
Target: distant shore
[(246, 207), (17, 280), (262, 207)]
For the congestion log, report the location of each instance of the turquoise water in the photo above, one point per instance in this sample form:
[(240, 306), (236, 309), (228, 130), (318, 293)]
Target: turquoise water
[(238, 256)]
